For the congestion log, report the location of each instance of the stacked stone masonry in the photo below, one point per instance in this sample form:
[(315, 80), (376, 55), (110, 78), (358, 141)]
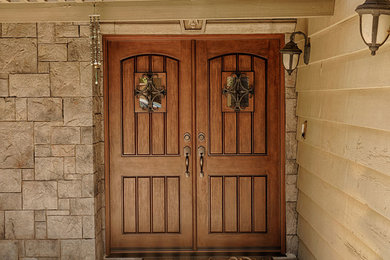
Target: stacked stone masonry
[(49, 187), (52, 145)]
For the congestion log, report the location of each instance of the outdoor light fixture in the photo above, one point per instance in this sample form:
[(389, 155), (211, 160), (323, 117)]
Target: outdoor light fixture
[(374, 23), (291, 53), (94, 26)]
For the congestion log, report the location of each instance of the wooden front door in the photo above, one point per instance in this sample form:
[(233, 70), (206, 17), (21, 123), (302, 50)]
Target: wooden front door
[(194, 144)]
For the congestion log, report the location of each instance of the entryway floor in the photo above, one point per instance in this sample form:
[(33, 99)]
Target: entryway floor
[(288, 257)]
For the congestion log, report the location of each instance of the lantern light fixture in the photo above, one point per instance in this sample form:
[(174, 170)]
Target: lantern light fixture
[(374, 23), (291, 53)]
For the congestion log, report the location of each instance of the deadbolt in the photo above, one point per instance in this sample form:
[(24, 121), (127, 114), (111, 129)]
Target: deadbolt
[(201, 137), (187, 137)]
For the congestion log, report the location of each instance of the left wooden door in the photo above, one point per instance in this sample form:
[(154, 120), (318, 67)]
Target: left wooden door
[(149, 110)]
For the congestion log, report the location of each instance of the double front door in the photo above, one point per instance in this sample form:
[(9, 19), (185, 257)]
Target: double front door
[(194, 144)]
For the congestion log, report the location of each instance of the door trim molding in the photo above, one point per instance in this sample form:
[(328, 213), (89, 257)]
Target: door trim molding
[(112, 37)]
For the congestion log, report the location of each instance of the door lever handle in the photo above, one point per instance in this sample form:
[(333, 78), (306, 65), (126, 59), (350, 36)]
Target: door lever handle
[(201, 151), (187, 152)]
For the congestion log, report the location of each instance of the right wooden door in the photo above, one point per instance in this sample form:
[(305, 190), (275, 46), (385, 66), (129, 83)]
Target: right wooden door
[(239, 124)]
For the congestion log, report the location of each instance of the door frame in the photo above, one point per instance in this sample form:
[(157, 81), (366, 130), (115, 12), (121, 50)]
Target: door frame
[(282, 112)]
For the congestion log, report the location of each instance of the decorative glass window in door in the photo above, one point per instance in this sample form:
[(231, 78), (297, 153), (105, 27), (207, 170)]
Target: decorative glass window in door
[(238, 91), (150, 92)]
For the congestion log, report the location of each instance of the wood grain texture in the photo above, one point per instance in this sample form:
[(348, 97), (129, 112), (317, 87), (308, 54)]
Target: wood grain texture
[(230, 204), (216, 205), (128, 107), (129, 208), (245, 211), (215, 106)]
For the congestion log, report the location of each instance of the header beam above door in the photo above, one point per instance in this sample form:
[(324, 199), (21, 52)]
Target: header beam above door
[(145, 10)]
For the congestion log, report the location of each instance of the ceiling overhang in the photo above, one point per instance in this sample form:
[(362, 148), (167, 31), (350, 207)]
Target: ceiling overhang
[(147, 10)]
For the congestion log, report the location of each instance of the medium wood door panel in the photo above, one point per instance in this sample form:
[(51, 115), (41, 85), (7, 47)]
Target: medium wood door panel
[(152, 207), (239, 197), (150, 196)]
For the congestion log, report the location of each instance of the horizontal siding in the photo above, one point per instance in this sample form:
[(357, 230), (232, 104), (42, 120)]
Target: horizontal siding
[(313, 240), (365, 185), (348, 246), (368, 226), (344, 160)]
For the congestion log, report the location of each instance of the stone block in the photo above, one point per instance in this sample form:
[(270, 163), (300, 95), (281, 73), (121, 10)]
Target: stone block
[(44, 67), (291, 218), (64, 227), (40, 195), (84, 159), (69, 189), (9, 250), (49, 168), (46, 32), (63, 150), (7, 109), (42, 150), (88, 186), (82, 206), (42, 248), (42, 131), (40, 215), (88, 226), (44, 109), (28, 174), (78, 111), (79, 50), (4, 87), (19, 30), (65, 135), (66, 30), (16, 150), (291, 188), (65, 79), (291, 167), (78, 249), (10, 180), (58, 213), (291, 146), (292, 244), (21, 109), (63, 204), (87, 135), (10, 201), (86, 86), (290, 93), (69, 166), (52, 52), (291, 118), (40, 230), (18, 55), (84, 31), (19, 224), (1, 225), (29, 85)]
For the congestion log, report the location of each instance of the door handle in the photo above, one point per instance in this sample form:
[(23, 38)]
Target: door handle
[(187, 152), (201, 151)]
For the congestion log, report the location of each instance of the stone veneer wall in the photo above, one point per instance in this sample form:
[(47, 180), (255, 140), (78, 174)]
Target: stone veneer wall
[(48, 181), (52, 139)]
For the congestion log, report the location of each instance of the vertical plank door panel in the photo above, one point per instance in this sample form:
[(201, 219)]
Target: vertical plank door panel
[(158, 204), (144, 204), (172, 106), (230, 204), (245, 132), (158, 133), (216, 204), (173, 207), (259, 204), (259, 117), (230, 132), (215, 107), (245, 204), (143, 133), (128, 107), (129, 208)]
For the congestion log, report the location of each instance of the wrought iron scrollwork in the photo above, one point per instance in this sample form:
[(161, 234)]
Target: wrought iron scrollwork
[(238, 91), (150, 92)]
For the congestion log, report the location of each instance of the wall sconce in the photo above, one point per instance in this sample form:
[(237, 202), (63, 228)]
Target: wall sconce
[(94, 27), (374, 23), (291, 53)]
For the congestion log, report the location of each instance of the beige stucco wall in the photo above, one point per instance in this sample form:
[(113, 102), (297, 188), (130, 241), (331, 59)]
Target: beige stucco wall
[(344, 162), (52, 138)]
